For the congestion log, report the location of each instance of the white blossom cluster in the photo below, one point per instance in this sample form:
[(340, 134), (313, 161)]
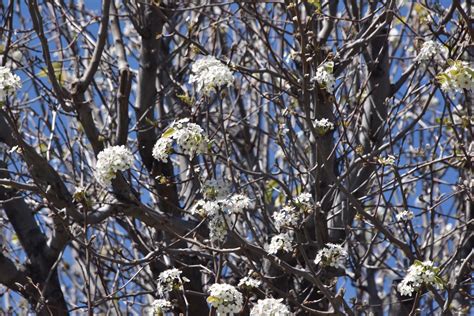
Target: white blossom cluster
[(270, 307), (249, 282), (9, 82), (432, 50), (405, 216), (225, 298), (288, 216), (332, 255), (304, 198), (457, 77), (188, 136), (419, 274), (210, 74), (325, 77), (170, 280), (386, 161), (217, 228), (109, 161), (323, 126), (280, 242), (219, 205), (159, 307), (234, 204)]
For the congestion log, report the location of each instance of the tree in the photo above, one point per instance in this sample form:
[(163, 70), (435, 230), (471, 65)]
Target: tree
[(308, 157)]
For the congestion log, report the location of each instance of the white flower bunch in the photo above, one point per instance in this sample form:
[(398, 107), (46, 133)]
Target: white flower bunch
[(332, 255), (419, 274), (162, 149), (432, 50), (217, 209), (405, 216), (236, 204), (457, 77), (188, 136), (217, 228), (249, 282), (9, 82), (225, 298), (325, 77), (159, 307), (323, 126), (386, 161), (281, 242), (210, 74), (170, 280), (109, 161), (304, 202), (303, 198), (288, 216), (218, 206), (270, 307)]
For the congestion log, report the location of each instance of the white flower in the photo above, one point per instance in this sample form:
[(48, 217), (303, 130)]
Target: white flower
[(188, 136), (323, 126), (160, 306), (419, 273), (280, 242), (162, 149), (303, 198), (236, 204), (432, 50), (325, 77), (405, 216), (249, 282), (210, 74), (217, 228), (332, 255), (109, 161), (170, 280), (288, 216), (9, 82), (386, 161), (457, 77), (270, 307), (225, 298)]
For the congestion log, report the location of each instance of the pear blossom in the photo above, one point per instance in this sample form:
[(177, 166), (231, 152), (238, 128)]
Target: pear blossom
[(323, 126), (288, 216), (405, 216), (209, 74), (419, 274), (457, 77), (325, 77), (217, 228), (170, 280), (225, 298), (432, 50), (159, 307), (281, 242), (332, 255), (110, 161), (249, 282), (189, 137), (270, 307), (9, 82)]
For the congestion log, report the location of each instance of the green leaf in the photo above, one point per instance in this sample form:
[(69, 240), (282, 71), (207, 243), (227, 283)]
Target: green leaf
[(168, 133)]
